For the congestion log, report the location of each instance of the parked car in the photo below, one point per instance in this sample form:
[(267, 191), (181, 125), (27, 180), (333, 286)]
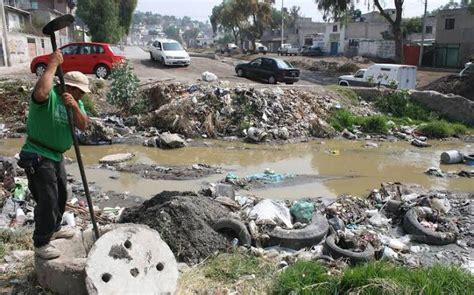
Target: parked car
[(169, 52), (272, 70), (468, 70), (85, 57), (389, 75), (261, 48), (312, 51), (288, 49)]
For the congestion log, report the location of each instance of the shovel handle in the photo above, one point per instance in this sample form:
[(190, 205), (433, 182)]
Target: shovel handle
[(62, 84)]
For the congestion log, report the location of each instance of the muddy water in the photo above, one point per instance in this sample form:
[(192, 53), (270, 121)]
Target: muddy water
[(353, 170)]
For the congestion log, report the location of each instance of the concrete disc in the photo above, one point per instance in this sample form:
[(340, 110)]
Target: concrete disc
[(131, 260)]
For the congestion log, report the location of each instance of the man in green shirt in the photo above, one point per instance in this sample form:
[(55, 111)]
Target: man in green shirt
[(49, 136)]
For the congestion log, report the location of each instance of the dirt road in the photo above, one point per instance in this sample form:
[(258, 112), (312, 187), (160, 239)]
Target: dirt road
[(148, 70)]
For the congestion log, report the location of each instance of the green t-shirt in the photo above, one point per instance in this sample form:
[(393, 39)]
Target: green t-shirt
[(47, 124)]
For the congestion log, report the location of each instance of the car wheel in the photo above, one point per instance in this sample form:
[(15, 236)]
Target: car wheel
[(272, 80), (151, 57), (289, 83), (102, 71), (425, 235), (40, 68), (343, 83), (162, 61), (354, 257), (235, 228), (240, 73), (300, 238)]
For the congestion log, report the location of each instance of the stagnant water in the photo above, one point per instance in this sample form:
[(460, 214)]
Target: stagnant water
[(353, 170)]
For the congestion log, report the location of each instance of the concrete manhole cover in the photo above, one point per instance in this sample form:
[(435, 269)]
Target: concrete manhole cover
[(131, 260)]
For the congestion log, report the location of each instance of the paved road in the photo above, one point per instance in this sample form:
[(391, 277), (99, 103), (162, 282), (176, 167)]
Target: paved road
[(148, 70)]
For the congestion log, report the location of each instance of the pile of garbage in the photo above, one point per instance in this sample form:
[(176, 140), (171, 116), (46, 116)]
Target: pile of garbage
[(217, 110), (405, 224), (14, 96)]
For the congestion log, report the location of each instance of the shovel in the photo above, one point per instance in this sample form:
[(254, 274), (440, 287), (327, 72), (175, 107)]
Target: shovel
[(50, 30)]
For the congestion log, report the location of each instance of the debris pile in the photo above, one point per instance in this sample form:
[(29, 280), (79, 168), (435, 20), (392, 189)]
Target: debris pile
[(15, 100), (454, 85), (214, 110)]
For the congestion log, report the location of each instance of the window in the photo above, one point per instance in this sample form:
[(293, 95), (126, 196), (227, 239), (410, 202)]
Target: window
[(86, 49), (385, 69), (449, 24), (256, 63), (429, 29), (283, 64), (71, 49), (334, 28), (268, 64), (97, 49), (172, 46), (359, 74)]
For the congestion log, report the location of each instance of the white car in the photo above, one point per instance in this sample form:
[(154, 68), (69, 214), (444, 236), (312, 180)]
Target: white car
[(468, 70), (169, 52)]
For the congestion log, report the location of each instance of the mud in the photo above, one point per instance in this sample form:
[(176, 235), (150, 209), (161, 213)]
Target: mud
[(155, 172), (184, 221)]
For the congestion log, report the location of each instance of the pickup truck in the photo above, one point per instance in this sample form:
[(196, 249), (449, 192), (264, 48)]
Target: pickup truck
[(388, 75), (287, 49)]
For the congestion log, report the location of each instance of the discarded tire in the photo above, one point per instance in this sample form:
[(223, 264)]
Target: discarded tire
[(354, 257), (422, 234), (236, 227), (300, 238)]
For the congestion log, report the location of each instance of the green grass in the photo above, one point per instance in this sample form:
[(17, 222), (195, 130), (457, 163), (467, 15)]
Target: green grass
[(442, 129), (344, 92), (304, 277), (374, 278), (231, 267), (375, 124)]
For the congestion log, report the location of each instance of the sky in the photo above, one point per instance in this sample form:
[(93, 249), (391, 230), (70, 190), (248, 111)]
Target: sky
[(201, 9)]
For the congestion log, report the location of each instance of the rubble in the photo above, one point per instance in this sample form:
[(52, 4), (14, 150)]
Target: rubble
[(216, 110), (169, 141)]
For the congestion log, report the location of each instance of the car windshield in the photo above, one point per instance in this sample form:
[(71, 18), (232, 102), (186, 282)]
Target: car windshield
[(172, 46), (283, 64)]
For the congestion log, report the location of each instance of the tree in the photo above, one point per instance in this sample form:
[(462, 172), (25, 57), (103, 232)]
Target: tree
[(172, 32), (127, 7), (412, 25), (101, 17), (107, 20), (190, 35), (294, 15), (338, 8)]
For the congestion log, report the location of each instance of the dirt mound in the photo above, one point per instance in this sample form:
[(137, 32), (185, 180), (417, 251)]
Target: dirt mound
[(184, 221), (216, 111), (454, 84)]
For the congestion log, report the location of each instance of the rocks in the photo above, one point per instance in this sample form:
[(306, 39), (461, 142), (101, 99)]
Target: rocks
[(256, 135), (419, 143), (169, 141), (116, 158), (208, 77), (349, 135)]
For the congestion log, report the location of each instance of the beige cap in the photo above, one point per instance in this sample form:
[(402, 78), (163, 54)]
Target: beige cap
[(77, 79)]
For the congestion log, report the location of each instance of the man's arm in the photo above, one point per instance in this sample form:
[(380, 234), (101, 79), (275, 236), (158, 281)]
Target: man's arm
[(45, 83), (81, 120)]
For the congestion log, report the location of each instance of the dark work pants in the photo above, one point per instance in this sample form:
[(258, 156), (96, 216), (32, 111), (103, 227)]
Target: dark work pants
[(48, 185)]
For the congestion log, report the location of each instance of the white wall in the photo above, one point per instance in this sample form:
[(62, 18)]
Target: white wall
[(377, 48)]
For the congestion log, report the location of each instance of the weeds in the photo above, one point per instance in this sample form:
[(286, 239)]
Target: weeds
[(124, 86), (344, 92), (373, 279), (399, 105), (229, 268), (343, 119), (375, 124), (442, 129), (15, 239), (89, 105)]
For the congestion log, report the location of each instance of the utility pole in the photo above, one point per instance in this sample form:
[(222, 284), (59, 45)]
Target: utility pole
[(282, 23), (6, 53), (423, 30)]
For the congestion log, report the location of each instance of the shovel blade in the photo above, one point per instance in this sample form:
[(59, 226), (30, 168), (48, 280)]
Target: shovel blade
[(58, 24)]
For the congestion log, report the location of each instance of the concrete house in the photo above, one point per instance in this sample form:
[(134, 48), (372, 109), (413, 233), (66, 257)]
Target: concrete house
[(454, 38), (16, 18)]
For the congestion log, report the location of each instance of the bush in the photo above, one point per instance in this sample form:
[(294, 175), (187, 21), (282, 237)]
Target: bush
[(304, 277), (124, 86), (398, 104), (375, 124), (89, 105), (438, 129), (343, 119), (344, 92), (231, 267)]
